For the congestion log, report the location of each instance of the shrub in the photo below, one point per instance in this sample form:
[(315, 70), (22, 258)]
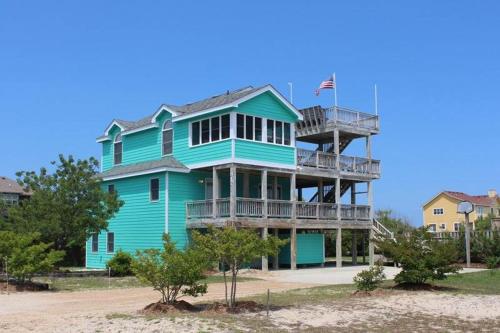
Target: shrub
[(120, 264), (234, 248), (28, 256), (369, 279), (171, 271), (492, 262), (421, 257)]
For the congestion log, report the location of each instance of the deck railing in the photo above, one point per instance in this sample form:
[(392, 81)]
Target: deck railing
[(283, 209), (317, 118), (319, 159)]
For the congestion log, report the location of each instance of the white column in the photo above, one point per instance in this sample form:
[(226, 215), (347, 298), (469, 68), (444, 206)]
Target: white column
[(371, 248), (232, 191), (370, 199), (338, 246), (263, 186), (215, 191), (292, 194), (293, 248), (276, 264), (265, 263)]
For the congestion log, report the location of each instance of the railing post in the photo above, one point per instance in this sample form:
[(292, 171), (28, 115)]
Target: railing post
[(318, 211), (317, 159), (263, 184)]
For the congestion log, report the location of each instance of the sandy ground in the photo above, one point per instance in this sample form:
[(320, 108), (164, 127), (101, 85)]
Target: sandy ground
[(115, 310), (73, 311)]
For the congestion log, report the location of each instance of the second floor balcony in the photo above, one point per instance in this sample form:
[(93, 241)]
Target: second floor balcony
[(347, 164)]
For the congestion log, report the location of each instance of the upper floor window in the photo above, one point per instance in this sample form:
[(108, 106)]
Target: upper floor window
[(118, 149), (167, 138), (248, 127), (279, 132), (111, 188), (438, 211), (210, 130), (479, 211)]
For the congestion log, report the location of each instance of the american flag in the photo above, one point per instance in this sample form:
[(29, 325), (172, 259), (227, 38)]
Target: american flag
[(327, 84)]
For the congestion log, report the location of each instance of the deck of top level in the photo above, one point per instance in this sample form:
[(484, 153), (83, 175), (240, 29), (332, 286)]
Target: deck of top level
[(319, 122)]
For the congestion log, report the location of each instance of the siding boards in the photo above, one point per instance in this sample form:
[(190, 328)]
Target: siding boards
[(265, 152), (309, 249), (267, 106), (183, 187), (139, 224)]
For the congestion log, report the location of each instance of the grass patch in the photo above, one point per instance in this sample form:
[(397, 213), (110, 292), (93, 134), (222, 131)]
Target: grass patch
[(484, 282), (103, 282)]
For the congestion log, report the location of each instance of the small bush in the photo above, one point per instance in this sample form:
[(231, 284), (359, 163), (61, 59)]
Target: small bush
[(492, 262), (120, 264), (369, 279)]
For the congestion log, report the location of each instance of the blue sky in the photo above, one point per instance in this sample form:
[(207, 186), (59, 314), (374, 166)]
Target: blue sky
[(68, 68)]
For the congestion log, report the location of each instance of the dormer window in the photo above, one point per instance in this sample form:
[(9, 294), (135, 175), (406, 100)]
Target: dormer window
[(118, 149), (167, 138)]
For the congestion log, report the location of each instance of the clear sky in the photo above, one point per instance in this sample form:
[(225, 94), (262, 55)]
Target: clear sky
[(68, 67)]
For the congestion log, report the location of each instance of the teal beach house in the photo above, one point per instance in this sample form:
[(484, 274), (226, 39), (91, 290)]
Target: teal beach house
[(234, 159)]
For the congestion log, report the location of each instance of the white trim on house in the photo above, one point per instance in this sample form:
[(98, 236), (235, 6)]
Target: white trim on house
[(236, 103), (241, 161), (139, 129), (166, 201), (110, 126), (162, 108), (99, 140), (145, 172)]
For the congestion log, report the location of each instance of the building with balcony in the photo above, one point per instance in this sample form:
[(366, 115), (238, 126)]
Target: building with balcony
[(440, 212), (247, 158)]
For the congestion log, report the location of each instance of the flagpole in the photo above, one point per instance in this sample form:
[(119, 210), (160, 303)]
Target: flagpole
[(376, 101), (335, 88), (290, 84)]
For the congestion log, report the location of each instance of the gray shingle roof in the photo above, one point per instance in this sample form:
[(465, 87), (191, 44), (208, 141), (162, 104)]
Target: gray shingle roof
[(167, 162), (205, 104), (8, 185)]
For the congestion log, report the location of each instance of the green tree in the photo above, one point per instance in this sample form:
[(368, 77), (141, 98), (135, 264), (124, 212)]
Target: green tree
[(397, 225), (421, 257), (234, 248), (171, 271), (67, 205), (28, 256), (483, 223)]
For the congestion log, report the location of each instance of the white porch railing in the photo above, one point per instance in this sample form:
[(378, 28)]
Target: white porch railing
[(279, 208), (319, 159), (250, 207)]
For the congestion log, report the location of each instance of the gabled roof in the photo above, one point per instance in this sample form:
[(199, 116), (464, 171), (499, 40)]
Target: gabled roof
[(214, 103), (8, 185), (480, 200), (167, 163)]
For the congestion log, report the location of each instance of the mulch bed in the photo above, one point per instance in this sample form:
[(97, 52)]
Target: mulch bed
[(27, 286), (217, 307)]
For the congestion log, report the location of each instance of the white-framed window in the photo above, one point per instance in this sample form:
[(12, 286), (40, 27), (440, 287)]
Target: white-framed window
[(438, 211), (248, 127), (432, 227), (279, 132), (118, 149), (456, 226), (442, 226), (167, 136), (110, 245), (9, 199), (95, 242), (154, 189), (479, 211), (210, 130)]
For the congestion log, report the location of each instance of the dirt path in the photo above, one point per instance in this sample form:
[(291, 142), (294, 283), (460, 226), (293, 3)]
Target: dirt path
[(53, 311)]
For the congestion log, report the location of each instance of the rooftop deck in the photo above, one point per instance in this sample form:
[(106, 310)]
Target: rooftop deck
[(318, 121)]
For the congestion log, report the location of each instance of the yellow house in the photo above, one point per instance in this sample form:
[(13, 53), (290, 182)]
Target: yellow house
[(440, 213)]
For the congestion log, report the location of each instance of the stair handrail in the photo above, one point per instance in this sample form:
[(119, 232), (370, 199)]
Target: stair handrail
[(379, 227)]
